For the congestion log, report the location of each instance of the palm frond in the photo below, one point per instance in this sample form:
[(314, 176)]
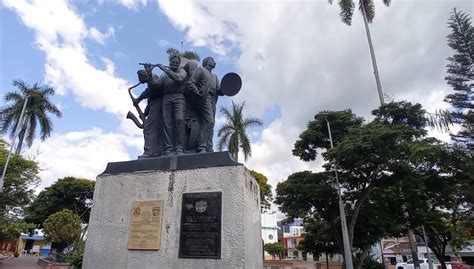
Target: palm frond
[(30, 129), (251, 122), (46, 127), (13, 96), (21, 85), (233, 145), (223, 141), (227, 114), (245, 144), (369, 7), (347, 11), (387, 2), (225, 129)]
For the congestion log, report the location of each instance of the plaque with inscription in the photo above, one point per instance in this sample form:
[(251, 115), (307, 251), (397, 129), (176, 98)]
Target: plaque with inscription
[(145, 225), (200, 233)]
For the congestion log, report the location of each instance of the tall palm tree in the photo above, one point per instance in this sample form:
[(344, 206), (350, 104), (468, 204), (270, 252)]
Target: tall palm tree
[(36, 112), (367, 9), (233, 133)]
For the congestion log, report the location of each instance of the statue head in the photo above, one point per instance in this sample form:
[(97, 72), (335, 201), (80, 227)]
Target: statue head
[(142, 76), (208, 63), (175, 61)]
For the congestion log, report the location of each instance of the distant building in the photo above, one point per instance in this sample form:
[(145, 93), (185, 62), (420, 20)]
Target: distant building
[(292, 235), (269, 230)]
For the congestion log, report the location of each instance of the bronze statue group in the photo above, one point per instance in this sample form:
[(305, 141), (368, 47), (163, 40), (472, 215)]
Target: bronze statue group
[(180, 114)]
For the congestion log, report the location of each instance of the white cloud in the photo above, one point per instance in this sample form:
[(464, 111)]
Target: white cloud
[(100, 37), (301, 57), (133, 4), (79, 154), (60, 33)]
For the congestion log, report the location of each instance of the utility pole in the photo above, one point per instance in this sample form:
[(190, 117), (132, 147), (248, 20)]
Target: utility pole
[(342, 212)]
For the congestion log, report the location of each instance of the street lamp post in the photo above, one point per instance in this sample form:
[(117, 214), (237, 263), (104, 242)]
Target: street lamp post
[(342, 212), (32, 94)]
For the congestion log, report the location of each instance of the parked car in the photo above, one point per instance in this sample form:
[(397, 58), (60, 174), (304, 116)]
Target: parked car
[(423, 264)]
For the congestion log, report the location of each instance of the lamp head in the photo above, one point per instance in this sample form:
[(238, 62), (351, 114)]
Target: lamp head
[(35, 94)]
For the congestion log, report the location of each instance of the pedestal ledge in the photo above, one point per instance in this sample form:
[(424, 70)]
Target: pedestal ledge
[(172, 163)]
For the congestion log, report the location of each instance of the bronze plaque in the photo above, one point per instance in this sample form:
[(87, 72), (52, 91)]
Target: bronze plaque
[(200, 232), (145, 225)]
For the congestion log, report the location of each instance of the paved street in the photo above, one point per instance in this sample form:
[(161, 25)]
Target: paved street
[(22, 262)]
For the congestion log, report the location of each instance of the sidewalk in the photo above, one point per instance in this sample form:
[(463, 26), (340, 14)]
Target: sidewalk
[(22, 262)]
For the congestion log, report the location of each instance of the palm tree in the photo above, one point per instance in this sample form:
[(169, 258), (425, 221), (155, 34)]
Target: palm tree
[(367, 9), (233, 133), (36, 112)]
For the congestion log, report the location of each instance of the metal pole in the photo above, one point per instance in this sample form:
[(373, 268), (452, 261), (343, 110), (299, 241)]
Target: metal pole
[(18, 127), (428, 253), (372, 54), (342, 212)]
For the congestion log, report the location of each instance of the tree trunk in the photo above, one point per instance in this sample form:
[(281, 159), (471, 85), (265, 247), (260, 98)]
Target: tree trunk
[(21, 137), (361, 260), (327, 261), (414, 249), (372, 54)]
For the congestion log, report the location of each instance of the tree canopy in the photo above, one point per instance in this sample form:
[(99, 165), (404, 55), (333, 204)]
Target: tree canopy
[(265, 189), (67, 193), (233, 134), (36, 112), (63, 228), (461, 75), (394, 179)]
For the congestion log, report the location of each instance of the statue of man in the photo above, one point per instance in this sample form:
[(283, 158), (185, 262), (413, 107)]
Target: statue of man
[(174, 105), (152, 126), (205, 84)]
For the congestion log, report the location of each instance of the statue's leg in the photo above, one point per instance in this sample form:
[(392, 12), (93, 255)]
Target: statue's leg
[(210, 136), (179, 109), (168, 124), (160, 127), (206, 125), (149, 134)]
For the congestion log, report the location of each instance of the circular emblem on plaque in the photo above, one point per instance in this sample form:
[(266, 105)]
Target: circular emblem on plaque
[(201, 206)]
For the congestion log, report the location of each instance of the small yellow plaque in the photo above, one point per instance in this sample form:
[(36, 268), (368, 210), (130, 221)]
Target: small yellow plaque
[(145, 225)]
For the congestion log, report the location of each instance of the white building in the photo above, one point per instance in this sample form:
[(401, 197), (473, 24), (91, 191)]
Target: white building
[(269, 229)]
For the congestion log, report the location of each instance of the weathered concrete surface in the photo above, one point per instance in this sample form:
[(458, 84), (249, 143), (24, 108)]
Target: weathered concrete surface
[(107, 237)]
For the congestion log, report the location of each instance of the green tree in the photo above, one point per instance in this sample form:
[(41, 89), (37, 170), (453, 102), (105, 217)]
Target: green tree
[(367, 157), (319, 239), (438, 195), (63, 228), (190, 55), (461, 75), (20, 180), (67, 193), (36, 113), (274, 249), (12, 230), (316, 137), (233, 134), (265, 189)]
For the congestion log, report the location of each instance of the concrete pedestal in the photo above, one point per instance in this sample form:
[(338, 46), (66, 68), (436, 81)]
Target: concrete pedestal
[(123, 183)]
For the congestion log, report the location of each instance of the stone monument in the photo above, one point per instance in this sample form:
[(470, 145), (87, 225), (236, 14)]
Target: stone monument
[(172, 209)]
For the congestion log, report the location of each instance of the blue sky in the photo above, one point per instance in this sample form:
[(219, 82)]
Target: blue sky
[(295, 58)]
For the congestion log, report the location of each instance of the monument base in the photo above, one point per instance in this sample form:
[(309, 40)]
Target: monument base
[(231, 241)]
